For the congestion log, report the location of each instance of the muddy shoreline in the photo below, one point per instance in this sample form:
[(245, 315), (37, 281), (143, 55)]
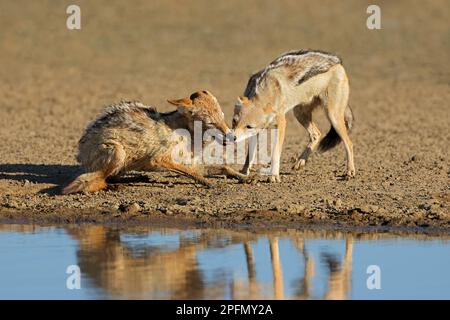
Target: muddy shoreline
[(250, 221)]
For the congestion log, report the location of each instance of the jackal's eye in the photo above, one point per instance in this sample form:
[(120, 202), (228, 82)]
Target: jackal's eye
[(250, 127)]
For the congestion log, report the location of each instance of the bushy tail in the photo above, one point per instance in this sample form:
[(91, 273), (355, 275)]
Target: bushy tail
[(88, 182), (332, 138)]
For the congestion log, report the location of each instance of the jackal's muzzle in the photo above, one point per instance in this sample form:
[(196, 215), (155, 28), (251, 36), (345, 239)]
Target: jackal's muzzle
[(229, 137)]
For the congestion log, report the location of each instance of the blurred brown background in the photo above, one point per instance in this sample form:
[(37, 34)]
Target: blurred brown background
[(154, 50)]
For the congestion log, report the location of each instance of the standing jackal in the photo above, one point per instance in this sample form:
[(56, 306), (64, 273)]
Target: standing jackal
[(132, 136), (300, 80)]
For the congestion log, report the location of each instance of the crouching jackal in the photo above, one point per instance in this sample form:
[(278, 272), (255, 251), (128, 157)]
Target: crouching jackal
[(132, 136)]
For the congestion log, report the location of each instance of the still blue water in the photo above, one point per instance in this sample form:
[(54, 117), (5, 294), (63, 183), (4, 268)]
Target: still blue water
[(165, 263)]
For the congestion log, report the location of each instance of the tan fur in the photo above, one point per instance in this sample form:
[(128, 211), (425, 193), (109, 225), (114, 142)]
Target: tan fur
[(131, 136), (88, 182)]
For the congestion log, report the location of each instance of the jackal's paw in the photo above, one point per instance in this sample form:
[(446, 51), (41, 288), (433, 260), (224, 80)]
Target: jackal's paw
[(299, 164), (350, 174), (245, 171), (274, 179), (266, 171), (250, 179), (245, 178)]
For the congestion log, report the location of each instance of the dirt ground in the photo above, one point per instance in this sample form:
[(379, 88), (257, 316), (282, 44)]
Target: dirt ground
[(53, 81)]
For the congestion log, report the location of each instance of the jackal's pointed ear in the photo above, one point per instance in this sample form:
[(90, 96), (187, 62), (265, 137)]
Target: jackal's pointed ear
[(184, 106), (185, 102)]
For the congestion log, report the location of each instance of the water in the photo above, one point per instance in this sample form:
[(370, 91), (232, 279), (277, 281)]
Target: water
[(165, 263)]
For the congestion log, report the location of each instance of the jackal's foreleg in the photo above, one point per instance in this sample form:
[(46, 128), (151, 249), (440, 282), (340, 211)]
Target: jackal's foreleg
[(274, 169), (169, 164), (227, 171), (251, 155)]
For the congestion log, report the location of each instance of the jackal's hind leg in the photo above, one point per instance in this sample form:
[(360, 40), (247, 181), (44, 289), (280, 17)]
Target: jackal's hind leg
[(304, 116), (103, 161), (339, 125), (336, 108)]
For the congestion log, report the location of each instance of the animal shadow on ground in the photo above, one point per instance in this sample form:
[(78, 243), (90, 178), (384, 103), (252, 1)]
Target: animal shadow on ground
[(61, 175), (41, 173)]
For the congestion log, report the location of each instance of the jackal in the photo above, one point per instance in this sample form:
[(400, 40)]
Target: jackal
[(300, 80), (132, 136)]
